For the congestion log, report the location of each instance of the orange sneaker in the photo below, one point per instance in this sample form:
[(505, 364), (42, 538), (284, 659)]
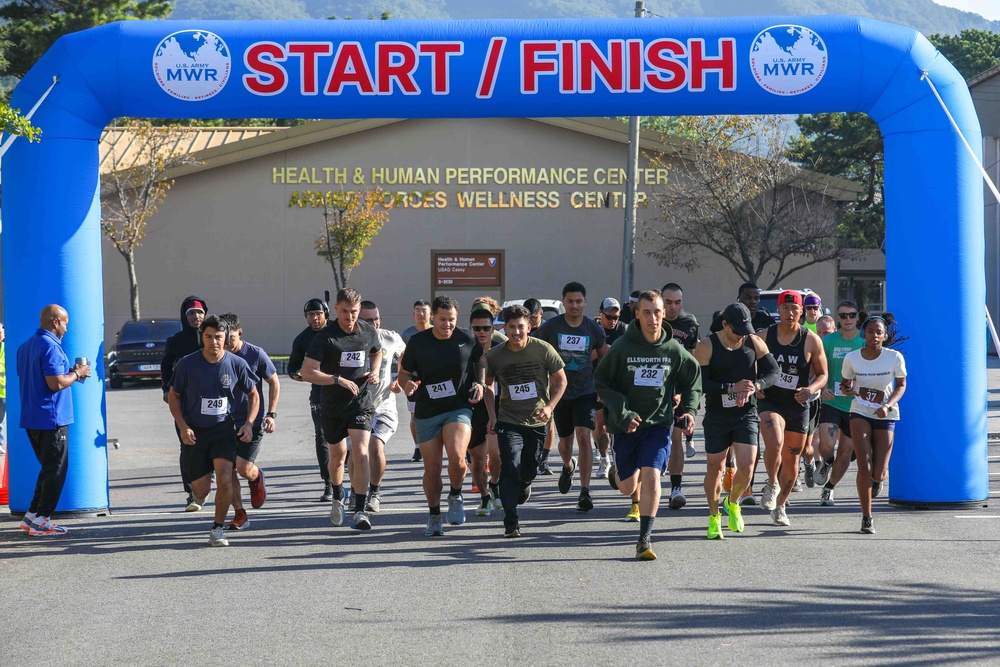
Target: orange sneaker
[(747, 499), (727, 479)]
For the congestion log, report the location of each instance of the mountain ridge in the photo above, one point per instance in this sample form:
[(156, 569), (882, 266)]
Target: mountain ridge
[(922, 15)]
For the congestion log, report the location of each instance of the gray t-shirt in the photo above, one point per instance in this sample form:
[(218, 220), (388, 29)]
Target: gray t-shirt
[(523, 377), (575, 345)]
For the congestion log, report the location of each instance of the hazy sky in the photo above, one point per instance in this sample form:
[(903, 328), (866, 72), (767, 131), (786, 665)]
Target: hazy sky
[(988, 8)]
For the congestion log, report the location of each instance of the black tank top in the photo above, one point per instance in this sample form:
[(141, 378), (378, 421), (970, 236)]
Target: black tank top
[(730, 366), (792, 364)]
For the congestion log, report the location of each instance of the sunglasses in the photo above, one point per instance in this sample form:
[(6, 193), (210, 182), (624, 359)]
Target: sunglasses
[(372, 320), (847, 316), (611, 317), (484, 328), (812, 307)]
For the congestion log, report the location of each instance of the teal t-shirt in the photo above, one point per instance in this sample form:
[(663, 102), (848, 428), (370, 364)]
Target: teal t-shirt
[(836, 348)]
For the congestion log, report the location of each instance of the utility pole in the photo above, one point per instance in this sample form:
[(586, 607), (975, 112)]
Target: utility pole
[(631, 169)]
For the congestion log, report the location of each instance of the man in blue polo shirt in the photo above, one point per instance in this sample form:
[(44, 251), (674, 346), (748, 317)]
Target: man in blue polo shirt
[(44, 371)]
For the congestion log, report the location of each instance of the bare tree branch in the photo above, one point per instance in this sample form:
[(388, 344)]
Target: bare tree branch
[(733, 193)]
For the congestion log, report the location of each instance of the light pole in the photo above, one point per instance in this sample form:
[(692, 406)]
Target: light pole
[(628, 247)]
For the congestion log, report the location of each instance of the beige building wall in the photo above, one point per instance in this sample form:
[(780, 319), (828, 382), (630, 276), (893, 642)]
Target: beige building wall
[(229, 234)]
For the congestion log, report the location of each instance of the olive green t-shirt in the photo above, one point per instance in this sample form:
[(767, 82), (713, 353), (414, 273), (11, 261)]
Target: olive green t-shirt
[(523, 377)]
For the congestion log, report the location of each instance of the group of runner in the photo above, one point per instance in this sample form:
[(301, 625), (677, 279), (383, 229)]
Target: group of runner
[(498, 402)]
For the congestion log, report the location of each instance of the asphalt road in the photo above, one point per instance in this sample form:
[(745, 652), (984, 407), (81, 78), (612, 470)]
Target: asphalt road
[(141, 586)]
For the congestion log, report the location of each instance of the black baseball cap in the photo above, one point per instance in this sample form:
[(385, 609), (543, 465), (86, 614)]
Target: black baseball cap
[(738, 317)]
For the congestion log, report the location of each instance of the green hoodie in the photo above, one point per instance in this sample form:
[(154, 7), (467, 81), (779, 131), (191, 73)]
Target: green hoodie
[(636, 377)]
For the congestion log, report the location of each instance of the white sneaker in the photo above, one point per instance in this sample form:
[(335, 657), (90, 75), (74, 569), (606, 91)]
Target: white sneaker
[(826, 497), (779, 517), (337, 513), (602, 468), (822, 474), (769, 497), (677, 499), (217, 538)]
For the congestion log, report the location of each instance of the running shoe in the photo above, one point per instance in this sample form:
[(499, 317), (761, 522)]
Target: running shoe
[(497, 504), (735, 512), (194, 504), (475, 488), (877, 489), (822, 475), (337, 512), (603, 467), (435, 528), (769, 497), (727, 479), (677, 499), (240, 521), (779, 517), (690, 450), (633, 514), (456, 510), (44, 527), (512, 533), (798, 484), (417, 456), (361, 521), (524, 495), (826, 497), (544, 469), (327, 496), (258, 490), (217, 537), (374, 503), (715, 527), (484, 507), (747, 499), (867, 525), (810, 469), (613, 476), (28, 524), (584, 504), (566, 476), (644, 550)]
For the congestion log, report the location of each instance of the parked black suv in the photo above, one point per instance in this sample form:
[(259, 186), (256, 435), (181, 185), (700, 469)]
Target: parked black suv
[(138, 350)]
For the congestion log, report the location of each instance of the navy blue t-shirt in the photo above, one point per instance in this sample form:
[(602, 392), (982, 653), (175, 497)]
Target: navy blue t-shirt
[(261, 366), (209, 390), (41, 408)]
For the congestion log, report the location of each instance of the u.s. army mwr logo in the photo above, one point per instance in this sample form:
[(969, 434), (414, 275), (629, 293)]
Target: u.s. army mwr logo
[(788, 59), (192, 65)]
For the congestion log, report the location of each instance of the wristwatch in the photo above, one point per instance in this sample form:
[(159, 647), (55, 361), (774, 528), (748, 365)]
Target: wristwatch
[(272, 415), (336, 378)]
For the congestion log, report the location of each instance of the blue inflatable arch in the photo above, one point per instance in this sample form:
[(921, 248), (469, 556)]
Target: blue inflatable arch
[(370, 69)]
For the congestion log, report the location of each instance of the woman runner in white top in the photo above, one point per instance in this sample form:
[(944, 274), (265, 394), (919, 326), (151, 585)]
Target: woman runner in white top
[(876, 377)]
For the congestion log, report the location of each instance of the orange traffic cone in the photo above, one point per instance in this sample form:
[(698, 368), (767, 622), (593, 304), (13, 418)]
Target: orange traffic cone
[(4, 496)]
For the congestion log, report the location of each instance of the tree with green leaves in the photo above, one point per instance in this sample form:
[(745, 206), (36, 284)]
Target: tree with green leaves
[(849, 145), (135, 188), (971, 51), (734, 195), (35, 25), (350, 222)]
